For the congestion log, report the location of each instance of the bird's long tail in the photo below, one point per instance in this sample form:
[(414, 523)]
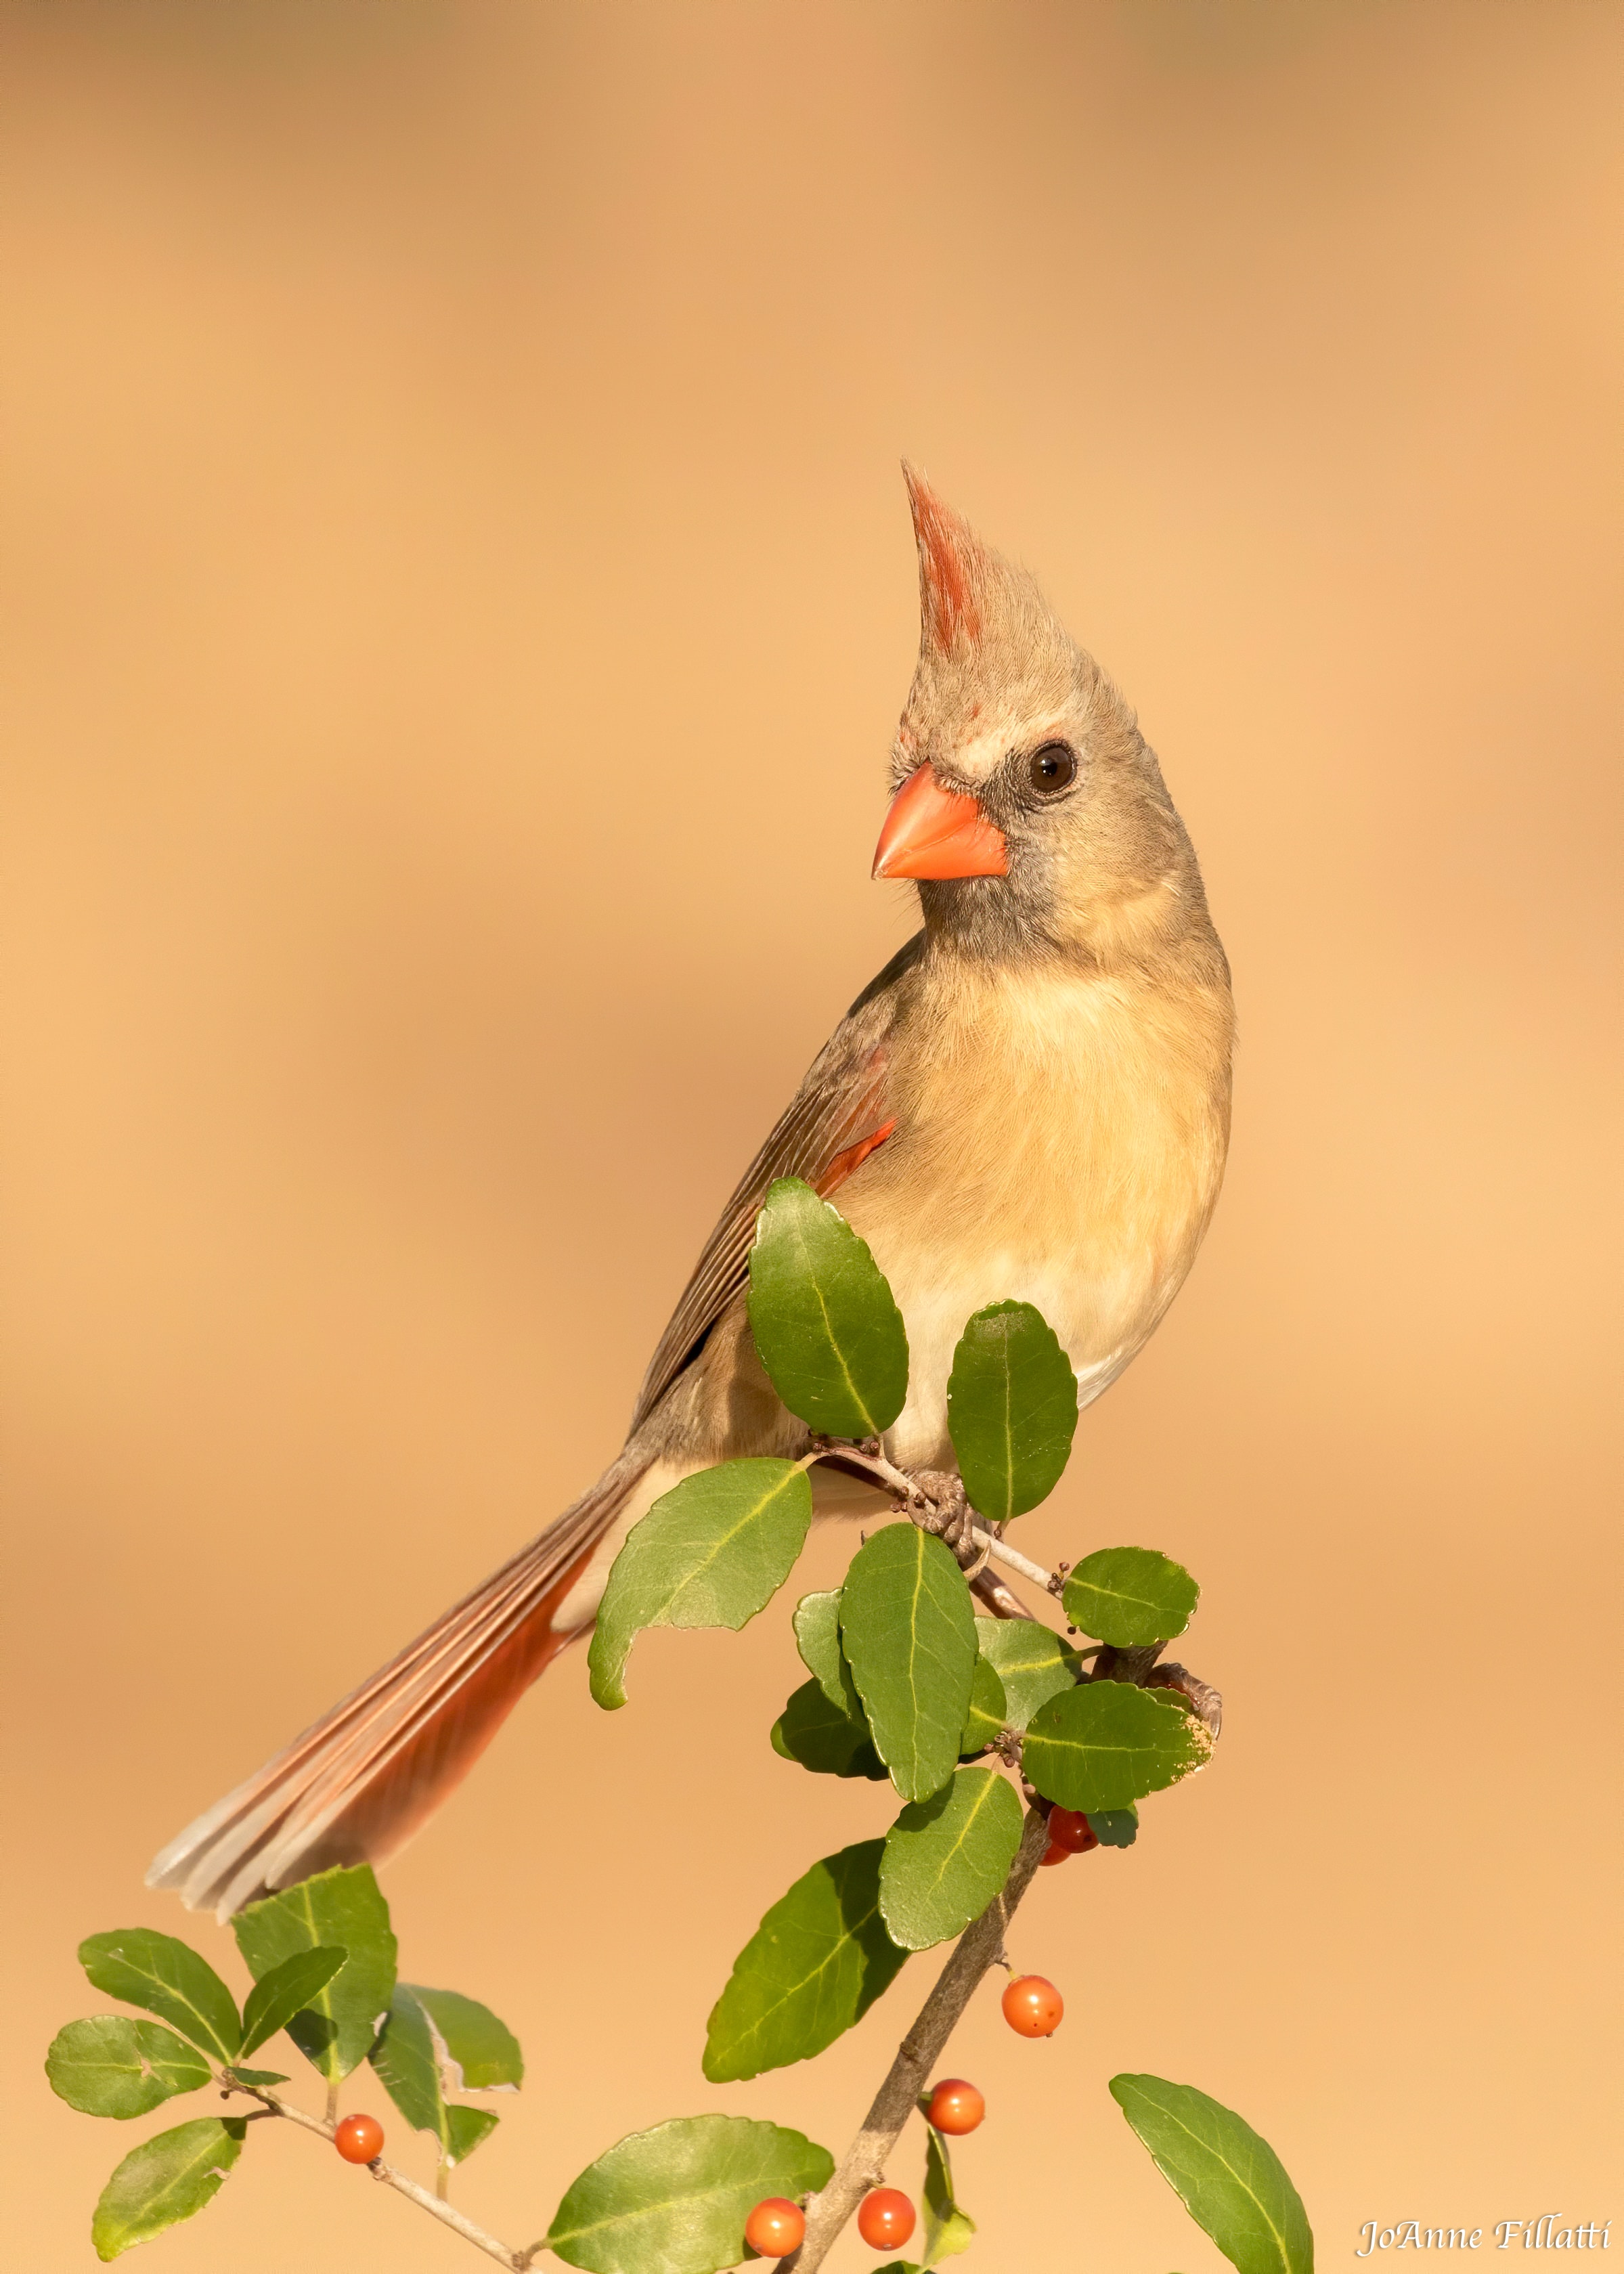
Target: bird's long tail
[(357, 1784)]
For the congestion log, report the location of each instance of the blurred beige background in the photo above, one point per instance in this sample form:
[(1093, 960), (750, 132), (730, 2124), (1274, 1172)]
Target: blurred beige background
[(458, 596)]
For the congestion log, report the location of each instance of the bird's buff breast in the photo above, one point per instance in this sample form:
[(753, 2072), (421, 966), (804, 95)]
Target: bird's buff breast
[(1061, 1142)]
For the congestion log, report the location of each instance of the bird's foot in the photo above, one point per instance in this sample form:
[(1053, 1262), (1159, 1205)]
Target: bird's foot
[(938, 1505)]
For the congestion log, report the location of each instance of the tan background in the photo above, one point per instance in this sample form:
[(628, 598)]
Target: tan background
[(459, 595)]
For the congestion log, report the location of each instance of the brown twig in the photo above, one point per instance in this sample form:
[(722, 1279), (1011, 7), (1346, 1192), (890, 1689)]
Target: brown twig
[(515, 2260), (910, 1496), (863, 2166)]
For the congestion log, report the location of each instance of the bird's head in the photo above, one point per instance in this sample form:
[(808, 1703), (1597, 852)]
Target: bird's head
[(1024, 799)]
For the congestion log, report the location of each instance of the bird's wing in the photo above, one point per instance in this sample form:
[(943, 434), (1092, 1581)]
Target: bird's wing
[(832, 1123)]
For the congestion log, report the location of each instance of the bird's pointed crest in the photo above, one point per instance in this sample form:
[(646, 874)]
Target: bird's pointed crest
[(951, 565)]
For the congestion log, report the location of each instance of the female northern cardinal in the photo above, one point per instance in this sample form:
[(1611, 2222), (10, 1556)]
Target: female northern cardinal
[(1031, 1099)]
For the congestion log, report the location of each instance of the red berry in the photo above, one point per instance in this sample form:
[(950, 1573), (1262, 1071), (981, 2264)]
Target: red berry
[(885, 2218), (358, 2139), (956, 2106), (775, 2227), (1033, 2007), (1068, 1828), (1056, 1853)]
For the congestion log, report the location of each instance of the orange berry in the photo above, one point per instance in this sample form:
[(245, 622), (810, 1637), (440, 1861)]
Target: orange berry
[(1033, 2007), (1068, 1828), (885, 2218), (1056, 1853), (956, 2106), (358, 2139), (775, 2227)]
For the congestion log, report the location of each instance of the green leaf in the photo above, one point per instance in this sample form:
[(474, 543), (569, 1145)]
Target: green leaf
[(823, 1726), (168, 1979), (1011, 1409), (1115, 1827), (1130, 1595), (908, 1630), (818, 1638), (339, 1910), (947, 1857), (161, 2182), (1031, 1662), (482, 2052), (437, 2042), (674, 2200), (1107, 1744), (824, 1739), (816, 1964), (1231, 2182), (826, 1325), (407, 2064), (989, 1713), (264, 2077), (709, 1553), (286, 1990), (465, 2128), (946, 2229), (117, 2066)]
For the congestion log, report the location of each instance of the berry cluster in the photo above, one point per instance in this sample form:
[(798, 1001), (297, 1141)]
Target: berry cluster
[(886, 2218)]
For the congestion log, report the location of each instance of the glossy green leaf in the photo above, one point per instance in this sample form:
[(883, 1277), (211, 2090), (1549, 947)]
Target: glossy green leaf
[(946, 2230), (710, 1553), (947, 1857), (989, 1713), (466, 2128), (481, 2054), (434, 2043), (818, 1638), (908, 1630), (339, 1910), (1012, 1410), (263, 2077), (407, 2064), (674, 2200), (169, 1979), (286, 1990), (163, 2181), (824, 1738), (1115, 1827), (1130, 1596), (1107, 1744), (1032, 1662), (1230, 2180), (825, 1323), (115, 2066), (816, 1964)]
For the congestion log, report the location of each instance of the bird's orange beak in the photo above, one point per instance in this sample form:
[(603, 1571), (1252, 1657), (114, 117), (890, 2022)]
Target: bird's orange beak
[(932, 832)]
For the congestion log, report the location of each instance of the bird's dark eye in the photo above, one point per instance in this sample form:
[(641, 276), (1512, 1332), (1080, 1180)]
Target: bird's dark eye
[(1053, 767)]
